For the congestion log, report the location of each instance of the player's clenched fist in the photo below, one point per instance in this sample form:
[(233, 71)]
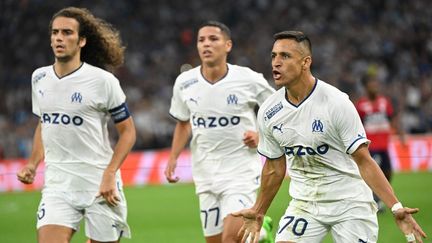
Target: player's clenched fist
[(26, 175)]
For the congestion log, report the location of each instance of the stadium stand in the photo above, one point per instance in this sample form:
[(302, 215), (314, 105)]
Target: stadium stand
[(391, 38)]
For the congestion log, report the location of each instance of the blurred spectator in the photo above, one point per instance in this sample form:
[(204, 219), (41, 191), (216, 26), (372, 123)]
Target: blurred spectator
[(392, 36)]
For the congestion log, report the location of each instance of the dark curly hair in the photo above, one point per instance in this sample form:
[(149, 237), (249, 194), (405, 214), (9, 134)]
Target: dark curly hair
[(103, 47)]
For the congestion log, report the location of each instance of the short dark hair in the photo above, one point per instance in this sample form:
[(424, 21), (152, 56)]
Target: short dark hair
[(294, 35), (219, 25)]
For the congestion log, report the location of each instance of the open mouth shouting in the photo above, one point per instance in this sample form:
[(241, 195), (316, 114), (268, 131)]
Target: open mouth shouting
[(276, 74)]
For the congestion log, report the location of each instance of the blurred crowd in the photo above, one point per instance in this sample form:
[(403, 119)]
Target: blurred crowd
[(388, 38)]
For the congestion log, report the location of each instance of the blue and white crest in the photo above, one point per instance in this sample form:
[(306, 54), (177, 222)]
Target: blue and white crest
[(76, 97), (317, 126), (232, 99)]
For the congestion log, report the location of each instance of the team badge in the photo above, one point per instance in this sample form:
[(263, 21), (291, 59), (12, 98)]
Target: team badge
[(76, 97), (232, 99), (317, 126)]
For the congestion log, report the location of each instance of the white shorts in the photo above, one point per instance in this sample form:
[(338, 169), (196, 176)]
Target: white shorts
[(214, 208), (102, 222), (348, 221)]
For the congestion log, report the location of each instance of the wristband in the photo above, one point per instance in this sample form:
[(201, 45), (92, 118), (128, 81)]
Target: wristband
[(396, 207)]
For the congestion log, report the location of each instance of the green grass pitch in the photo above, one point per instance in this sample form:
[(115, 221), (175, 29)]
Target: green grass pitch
[(159, 214)]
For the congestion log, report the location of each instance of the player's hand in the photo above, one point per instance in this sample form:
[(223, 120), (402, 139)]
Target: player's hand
[(252, 223), (170, 171), (250, 138), (108, 189), (27, 174), (408, 225)]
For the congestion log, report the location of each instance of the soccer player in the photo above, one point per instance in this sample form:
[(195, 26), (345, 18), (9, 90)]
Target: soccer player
[(379, 119), (216, 103), (316, 128), (74, 99)]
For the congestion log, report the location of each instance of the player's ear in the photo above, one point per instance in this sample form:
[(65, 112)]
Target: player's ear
[(307, 62), (228, 45), (82, 42)]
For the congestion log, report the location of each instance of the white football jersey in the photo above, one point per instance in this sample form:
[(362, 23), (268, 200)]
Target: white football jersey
[(317, 137), (220, 114), (74, 111)]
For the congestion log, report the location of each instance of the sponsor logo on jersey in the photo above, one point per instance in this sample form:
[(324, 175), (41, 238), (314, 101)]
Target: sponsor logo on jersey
[(232, 99), (76, 97), (317, 126), (65, 119), (213, 121), (188, 83), (38, 77), (278, 128), (272, 111), (41, 93), (300, 150)]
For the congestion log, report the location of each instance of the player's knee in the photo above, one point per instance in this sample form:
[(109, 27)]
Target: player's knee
[(54, 234)]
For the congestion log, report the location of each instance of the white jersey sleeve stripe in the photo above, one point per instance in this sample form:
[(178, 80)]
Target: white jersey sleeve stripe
[(268, 156), (354, 145), (176, 118)]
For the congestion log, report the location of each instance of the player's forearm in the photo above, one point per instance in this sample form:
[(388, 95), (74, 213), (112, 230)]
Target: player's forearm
[(272, 177), (126, 140), (37, 153), (376, 180), (181, 136)]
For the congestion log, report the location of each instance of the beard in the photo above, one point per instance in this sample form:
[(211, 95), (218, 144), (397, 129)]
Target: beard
[(64, 59)]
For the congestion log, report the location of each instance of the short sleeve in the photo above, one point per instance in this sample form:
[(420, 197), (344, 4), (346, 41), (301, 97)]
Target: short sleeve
[(35, 103), (115, 96), (267, 145), (349, 125), (178, 109), (264, 90)]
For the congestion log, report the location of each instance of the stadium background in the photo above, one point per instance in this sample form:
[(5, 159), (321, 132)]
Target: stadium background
[(391, 38)]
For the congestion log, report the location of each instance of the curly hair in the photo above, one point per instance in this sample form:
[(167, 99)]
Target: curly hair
[(103, 47)]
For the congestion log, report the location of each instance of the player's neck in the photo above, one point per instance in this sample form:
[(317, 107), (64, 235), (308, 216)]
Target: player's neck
[(214, 73), (62, 68), (300, 90)]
